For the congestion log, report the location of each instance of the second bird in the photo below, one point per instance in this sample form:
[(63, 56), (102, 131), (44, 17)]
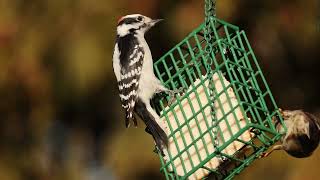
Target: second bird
[(302, 136)]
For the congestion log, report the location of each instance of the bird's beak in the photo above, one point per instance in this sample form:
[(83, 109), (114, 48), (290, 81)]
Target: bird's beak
[(154, 22)]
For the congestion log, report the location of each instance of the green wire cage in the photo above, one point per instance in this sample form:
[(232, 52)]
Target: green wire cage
[(223, 122)]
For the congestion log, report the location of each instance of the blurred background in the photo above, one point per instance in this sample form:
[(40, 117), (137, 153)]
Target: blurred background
[(61, 117)]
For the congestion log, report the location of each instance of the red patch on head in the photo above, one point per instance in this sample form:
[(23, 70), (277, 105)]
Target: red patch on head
[(120, 19)]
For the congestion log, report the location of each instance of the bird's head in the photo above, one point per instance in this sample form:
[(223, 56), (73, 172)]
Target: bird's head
[(135, 23)]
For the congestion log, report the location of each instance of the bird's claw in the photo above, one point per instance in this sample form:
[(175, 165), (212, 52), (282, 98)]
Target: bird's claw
[(274, 119), (171, 100), (281, 111), (262, 155), (173, 93)]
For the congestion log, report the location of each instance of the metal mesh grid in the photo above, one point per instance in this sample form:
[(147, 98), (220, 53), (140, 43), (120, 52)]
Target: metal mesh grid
[(231, 58)]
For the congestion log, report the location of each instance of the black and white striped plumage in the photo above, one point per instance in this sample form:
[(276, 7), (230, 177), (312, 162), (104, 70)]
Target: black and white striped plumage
[(133, 67), (131, 62), (302, 136)]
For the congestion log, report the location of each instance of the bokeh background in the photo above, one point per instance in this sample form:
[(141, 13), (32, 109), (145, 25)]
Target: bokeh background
[(60, 115)]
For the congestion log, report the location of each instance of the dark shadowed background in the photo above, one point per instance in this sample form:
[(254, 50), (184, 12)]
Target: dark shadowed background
[(60, 115)]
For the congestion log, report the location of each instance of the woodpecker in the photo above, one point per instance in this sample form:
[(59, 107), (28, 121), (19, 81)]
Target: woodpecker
[(302, 136), (133, 68)]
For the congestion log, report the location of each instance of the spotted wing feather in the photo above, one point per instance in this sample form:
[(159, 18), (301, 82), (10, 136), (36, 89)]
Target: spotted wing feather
[(131, 60)]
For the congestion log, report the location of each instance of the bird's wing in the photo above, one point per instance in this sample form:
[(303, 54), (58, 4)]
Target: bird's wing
[(131, 60)]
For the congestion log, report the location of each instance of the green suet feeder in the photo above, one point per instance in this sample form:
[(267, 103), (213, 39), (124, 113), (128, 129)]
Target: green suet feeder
[(223, 122)]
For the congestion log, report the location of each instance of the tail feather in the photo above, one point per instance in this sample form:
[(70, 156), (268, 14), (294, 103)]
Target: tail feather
[(127, 121), (158, 134), (130, 116)]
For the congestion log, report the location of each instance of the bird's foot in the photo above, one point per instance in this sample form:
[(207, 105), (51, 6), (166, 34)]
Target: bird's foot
[(173, 93), (274, 119), (264, 154), (281, 111)]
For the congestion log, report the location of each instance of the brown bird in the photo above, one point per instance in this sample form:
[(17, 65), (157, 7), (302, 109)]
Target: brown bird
[(302, 136)]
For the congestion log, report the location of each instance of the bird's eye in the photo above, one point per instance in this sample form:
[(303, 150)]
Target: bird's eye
[(140, 18)]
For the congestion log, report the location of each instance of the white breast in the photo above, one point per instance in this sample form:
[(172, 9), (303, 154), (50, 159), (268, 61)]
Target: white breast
[(148, 82)]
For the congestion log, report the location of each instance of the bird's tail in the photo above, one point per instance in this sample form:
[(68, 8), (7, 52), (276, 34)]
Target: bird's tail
[(130, 116), (158, 134)]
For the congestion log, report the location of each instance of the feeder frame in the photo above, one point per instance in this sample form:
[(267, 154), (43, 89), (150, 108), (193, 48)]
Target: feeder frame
[(218, 47)]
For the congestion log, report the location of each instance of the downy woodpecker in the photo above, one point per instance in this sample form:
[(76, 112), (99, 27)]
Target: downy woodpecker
[(302, 136), (133, 68)]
